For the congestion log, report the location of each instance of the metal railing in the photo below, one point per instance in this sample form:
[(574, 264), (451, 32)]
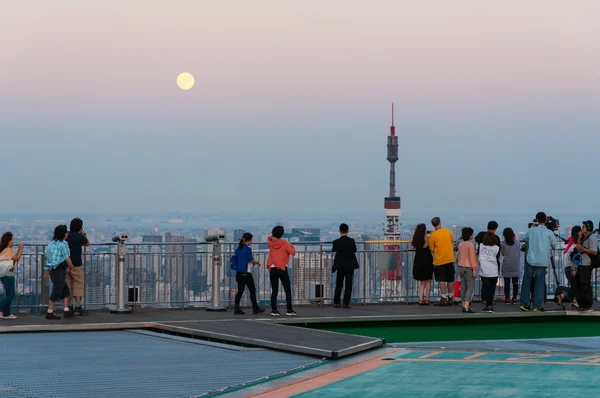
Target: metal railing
[(179, 275)]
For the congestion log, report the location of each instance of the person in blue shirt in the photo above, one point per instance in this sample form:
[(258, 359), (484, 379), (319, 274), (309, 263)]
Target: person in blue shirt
[(540, 241), (58, 263), (241, 259)]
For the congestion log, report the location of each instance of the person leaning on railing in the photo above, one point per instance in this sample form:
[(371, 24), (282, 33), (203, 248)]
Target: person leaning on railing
[(8, 261), (423, 263), (57, 265)]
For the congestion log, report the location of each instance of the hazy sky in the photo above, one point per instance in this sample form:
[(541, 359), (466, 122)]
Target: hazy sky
[(498, 105)]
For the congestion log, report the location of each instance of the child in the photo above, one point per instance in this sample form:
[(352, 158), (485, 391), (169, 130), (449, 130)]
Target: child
[(488, 269), (467, 268), (279, 256), (344, 264), (243, 257)]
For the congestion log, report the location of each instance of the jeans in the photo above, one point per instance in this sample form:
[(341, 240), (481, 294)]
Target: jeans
[(467, 284), (244, 279), (9, 294), (582, 286), (539, 273), (489, 285), (341, 277), (276, 275), (515, 284)]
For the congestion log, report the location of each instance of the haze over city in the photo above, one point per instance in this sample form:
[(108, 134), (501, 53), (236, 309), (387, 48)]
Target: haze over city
[(496, 107)]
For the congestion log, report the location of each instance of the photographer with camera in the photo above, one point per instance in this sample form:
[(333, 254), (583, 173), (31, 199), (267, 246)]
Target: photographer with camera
[(541, 241), (587, 247)]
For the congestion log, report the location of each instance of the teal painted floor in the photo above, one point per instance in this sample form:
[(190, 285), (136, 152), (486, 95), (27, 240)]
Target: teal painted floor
[(423, 373)]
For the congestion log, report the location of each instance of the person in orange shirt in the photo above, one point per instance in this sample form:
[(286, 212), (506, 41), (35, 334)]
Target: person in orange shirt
[(441, 244), (279, 256)]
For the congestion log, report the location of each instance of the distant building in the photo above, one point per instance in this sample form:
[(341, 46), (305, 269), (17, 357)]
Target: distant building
[(174, 260), (456, 232), (152, 239), (311, 276), (237, 234), (304, 235)]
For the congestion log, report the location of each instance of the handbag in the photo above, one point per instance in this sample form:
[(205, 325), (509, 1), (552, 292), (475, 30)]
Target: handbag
[(6, 266)]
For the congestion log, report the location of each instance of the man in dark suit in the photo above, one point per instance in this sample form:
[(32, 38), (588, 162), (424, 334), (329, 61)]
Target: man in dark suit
[(344, 264)]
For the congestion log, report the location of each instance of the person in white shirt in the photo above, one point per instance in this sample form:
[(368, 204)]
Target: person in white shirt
[(488, 269)]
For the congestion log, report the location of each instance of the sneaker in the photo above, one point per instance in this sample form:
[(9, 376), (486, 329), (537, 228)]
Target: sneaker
[(514, 301), (489, 310), (257, 310), (80, 311), (442, 303), (456, 302), (523, 308), (11, 316), (50, 315), (275, 313), (68, 314), (506, 301), (346, 306), (238, 311), (470, 311), (538, 309), (464, 309), (291, 313), (586, 310), (337, 306)]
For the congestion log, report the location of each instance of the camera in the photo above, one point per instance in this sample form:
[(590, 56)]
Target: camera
[(553, 224), (120, 238), (215, 238)]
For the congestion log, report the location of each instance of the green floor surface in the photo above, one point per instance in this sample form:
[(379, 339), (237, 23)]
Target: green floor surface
[(472, 329)]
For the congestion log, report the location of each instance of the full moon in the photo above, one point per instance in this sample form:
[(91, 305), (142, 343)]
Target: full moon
[(185, 81)]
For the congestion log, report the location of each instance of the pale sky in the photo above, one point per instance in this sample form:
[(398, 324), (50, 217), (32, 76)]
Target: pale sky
[(497, 105)]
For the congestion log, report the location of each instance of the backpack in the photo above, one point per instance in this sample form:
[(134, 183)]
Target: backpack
[(233, 263)]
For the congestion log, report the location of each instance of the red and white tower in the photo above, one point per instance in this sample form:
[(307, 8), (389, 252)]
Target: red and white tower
[(392, 279)]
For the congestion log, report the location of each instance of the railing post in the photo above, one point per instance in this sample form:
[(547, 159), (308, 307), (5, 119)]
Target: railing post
[(216, 280), (121, 309), (182, 277)]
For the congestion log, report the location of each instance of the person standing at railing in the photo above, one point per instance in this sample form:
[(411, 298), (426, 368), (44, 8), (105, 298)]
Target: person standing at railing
[(279, 256), (511, 265), (540, 241), (75, 279), (423, 263), (344, 264), (58, 263), (488, 269), (570, 268), (587, 245), (467, 268), (441, 244), (242, 257), (491, 227), (8, 261)]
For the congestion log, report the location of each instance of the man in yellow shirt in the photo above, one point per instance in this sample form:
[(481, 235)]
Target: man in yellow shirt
[(441, 244)]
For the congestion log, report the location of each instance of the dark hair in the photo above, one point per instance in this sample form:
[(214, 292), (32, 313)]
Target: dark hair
[(76, 225), (466, 233), (541, 218), (344, 228), (575, 232), (59, 232), (278, 232), (489, 239), (589, 225), (418, 240), (435, 221), (5, 240), (509, 236), (492, 226), (247, 237)]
